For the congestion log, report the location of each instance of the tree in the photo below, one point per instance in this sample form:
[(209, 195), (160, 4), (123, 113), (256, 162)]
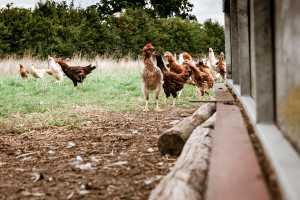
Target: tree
[(214, 36), (172, 8), (107, 8), (157, 8), (57, 28)]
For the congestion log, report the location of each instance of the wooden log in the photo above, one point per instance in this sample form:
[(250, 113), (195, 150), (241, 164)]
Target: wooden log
[(213, 101), (210, 123), (186, 180), (172, 140)]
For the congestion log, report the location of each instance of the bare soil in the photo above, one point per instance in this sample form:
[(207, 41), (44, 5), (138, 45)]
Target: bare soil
[(112, 155)]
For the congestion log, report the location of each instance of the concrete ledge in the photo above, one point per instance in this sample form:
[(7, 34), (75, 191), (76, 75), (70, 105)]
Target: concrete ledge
[(247, 101), (283, 158), (235, 88), (249, 106), (281, 155)]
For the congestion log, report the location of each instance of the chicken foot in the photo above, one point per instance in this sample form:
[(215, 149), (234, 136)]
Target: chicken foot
[(146, 108)]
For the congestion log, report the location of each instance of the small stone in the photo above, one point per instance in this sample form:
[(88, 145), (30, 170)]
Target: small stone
[(70, 145), (51, 152), (86, 166), (149, 181), (119, 163), (78, 159), (174, 122), (150, 150)]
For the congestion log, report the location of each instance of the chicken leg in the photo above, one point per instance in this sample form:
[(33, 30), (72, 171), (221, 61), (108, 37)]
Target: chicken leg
[(146, 95), (157, 92), (174, 102), (200, 92), (146, 108), (179, 93)]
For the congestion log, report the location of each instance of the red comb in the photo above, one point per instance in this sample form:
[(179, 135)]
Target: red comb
[(148, 46)]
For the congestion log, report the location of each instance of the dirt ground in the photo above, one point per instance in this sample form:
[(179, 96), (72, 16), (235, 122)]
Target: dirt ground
[(111, 156)]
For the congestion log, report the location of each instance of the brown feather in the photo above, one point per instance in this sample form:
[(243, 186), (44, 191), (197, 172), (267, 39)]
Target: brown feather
[(23, 72), (76, 73)]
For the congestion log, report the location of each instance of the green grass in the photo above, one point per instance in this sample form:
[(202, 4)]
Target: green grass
[(111, 92)]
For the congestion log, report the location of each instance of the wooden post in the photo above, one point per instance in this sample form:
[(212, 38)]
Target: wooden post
[(172, 140)]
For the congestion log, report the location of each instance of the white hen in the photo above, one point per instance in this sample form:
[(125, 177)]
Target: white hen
[(212, 62), (54, 69), (180, 60), (37, 73)]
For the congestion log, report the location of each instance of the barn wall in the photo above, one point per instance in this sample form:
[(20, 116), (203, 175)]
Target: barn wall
[(234, 41), (287, 43), (263, 38), (264, 57), (227, 44), (252, 49), (266, 80), (244, 55)]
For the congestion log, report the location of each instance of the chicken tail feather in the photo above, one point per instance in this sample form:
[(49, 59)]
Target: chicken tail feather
[(88, 69)]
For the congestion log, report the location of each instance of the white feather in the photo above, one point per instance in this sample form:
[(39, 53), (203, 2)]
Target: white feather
[(180, 60), (212, 61), (55, 69)]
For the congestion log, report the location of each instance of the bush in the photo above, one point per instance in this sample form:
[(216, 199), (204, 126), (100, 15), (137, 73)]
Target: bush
[(59, 29)]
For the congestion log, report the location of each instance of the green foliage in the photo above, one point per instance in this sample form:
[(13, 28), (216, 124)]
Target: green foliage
[(171, 8), (214, 36), (60, 29), (156, 8)]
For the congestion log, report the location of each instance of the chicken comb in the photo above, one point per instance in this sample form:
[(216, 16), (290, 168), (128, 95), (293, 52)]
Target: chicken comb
[(148, 46)]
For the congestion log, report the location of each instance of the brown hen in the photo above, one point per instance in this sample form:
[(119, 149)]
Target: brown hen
[(173, 82), (221, 66), (152, 76), (24, 73), (202, 77), (173, 65), (76, 73)]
